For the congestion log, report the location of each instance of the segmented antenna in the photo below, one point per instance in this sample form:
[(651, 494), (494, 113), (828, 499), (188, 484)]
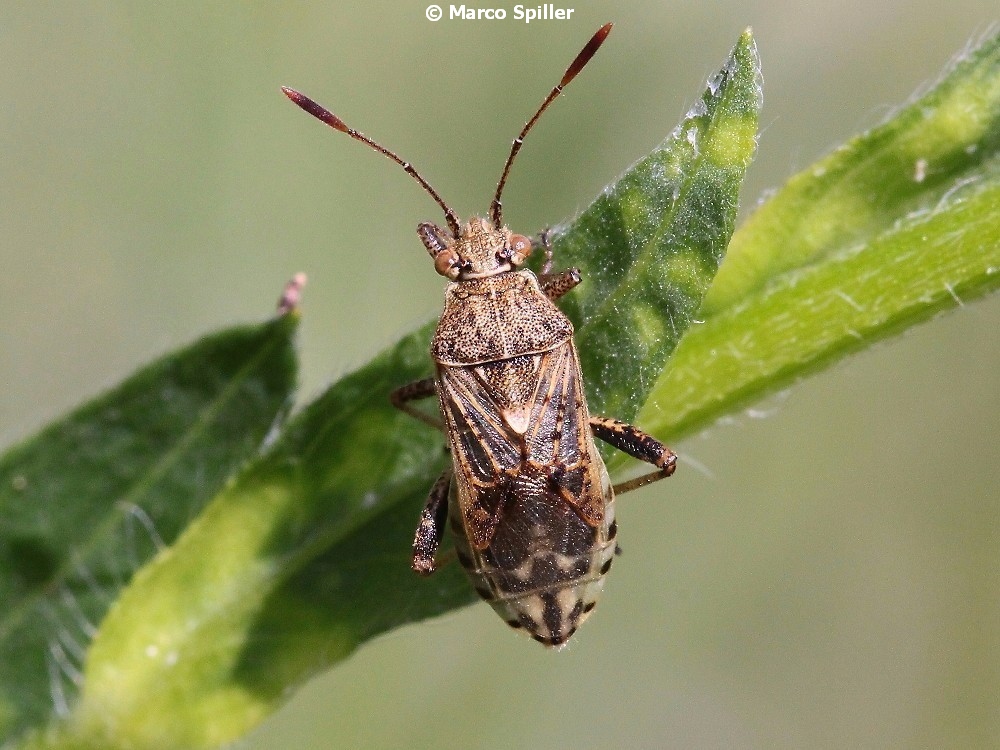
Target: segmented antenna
[(496, 208), (325, 115)]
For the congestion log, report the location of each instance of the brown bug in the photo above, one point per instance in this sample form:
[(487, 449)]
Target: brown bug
[(528, 496)]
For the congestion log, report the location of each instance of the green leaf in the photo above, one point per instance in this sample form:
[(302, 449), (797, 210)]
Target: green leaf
[(887, 231), (88, 501), (651, 244), (306, 555)]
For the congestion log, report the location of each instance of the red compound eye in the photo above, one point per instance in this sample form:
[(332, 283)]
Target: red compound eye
[(520, 248), (446, 264)]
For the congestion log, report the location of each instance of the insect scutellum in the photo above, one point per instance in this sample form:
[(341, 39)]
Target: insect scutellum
[(481, 247)]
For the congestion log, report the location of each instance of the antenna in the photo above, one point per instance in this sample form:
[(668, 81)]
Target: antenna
[(323, 114), (496, 208)]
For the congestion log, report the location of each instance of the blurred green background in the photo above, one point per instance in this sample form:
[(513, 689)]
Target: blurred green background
[(825, 575)]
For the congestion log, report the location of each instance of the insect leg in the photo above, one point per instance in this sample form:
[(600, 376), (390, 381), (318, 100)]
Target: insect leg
[(638, 444), (555, 285), (402, 396), (431, 527)]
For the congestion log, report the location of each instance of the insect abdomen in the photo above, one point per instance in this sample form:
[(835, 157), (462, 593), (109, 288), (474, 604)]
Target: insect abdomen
[(545, 567)]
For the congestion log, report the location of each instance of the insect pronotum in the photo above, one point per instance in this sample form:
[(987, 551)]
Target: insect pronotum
[(528, 497)]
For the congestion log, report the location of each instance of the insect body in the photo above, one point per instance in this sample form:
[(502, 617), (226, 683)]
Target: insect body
[(528, 497)]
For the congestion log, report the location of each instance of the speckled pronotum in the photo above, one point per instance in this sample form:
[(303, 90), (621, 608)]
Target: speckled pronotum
[(528, 496)]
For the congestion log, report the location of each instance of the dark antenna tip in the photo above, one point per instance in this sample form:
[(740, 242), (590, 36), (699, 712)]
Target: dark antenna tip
[(316, 110), (586, 53), (579, 62), (324, 115)]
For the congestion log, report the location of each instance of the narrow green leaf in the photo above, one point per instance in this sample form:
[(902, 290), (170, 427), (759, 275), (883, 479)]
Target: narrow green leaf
[(904, 168), (651, 244), (306, 555), (887, 231), (89, 500)]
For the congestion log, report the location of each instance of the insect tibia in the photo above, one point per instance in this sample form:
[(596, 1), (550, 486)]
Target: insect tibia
[(635, 442), (555, 285), (431, 527), (402, 396)]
